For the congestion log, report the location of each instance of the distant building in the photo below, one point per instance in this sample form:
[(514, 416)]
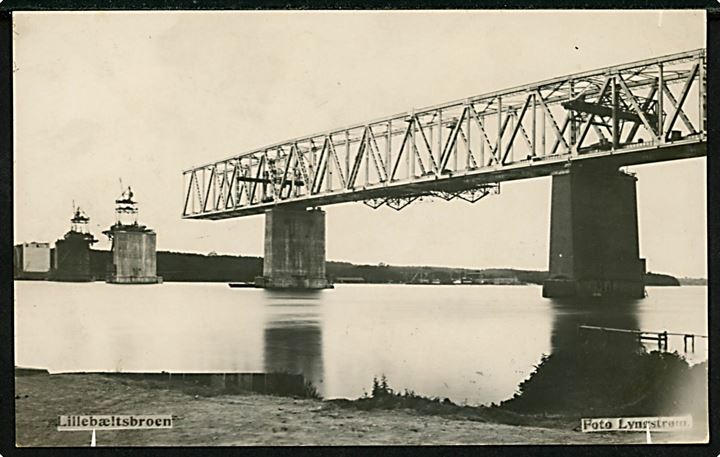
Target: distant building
[(481, 278), (134, 256), (31, 260), (511, 281)]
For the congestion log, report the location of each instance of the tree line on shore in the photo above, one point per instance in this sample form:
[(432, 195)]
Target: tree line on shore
[(181, 266)]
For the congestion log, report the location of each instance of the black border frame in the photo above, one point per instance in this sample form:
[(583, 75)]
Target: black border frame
[(7, 404)]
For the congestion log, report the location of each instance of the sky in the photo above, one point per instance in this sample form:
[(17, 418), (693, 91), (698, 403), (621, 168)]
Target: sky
[(142, 96)]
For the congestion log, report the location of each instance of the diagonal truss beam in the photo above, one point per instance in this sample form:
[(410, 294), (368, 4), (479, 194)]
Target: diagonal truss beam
[(518, 126), (683, 117), (645, 107), (591, 117), (559, 135), (451, 141), (639, 111), (683, 96)]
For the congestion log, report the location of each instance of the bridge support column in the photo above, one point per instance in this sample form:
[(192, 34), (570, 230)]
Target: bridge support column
[(294, 250), (594, 234)]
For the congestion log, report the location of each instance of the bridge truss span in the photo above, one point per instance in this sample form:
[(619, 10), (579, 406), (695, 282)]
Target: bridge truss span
[(639, 112)]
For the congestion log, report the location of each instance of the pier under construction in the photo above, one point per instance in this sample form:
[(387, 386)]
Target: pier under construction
[(71, 259), (134, 256)]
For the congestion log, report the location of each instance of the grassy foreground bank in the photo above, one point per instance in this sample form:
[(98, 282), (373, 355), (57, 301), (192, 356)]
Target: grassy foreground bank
[(202, 418)]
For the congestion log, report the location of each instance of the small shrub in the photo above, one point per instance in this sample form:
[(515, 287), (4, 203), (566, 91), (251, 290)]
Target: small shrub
[(380, 388), (310, 391)]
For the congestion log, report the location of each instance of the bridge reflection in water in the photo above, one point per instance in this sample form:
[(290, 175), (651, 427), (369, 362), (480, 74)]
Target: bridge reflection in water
[(567, 338), (293, 335)]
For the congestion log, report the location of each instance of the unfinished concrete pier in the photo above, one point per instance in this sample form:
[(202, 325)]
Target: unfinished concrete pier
[(71, 261), (594, 234), (134, 256), (294, 249)]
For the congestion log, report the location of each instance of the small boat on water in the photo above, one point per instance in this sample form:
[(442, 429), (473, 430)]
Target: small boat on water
[(242, 284)]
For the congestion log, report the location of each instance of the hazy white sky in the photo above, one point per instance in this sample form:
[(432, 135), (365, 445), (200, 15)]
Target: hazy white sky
[(144, 96)]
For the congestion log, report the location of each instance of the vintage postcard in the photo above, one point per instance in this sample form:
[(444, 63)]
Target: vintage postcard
[(238, 228)]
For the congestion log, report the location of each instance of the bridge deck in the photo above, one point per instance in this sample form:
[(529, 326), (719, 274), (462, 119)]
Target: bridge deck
[(643, 112)]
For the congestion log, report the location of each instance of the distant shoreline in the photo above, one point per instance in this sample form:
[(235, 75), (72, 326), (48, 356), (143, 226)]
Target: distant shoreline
[(191, 267), (192, 281)]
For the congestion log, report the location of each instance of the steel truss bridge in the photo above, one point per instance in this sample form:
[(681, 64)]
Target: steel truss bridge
[(641, 112)]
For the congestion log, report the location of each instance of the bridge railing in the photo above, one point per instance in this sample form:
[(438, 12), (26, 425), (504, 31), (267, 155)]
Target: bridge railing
[(654, 102)]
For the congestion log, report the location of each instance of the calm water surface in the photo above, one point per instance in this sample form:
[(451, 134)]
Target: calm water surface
[(473, 344)]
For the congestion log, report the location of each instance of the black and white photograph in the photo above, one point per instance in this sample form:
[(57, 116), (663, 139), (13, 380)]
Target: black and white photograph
[(360, 227)]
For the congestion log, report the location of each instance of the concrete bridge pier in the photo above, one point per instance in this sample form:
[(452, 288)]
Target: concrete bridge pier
[(594, 234), (294, 249)]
